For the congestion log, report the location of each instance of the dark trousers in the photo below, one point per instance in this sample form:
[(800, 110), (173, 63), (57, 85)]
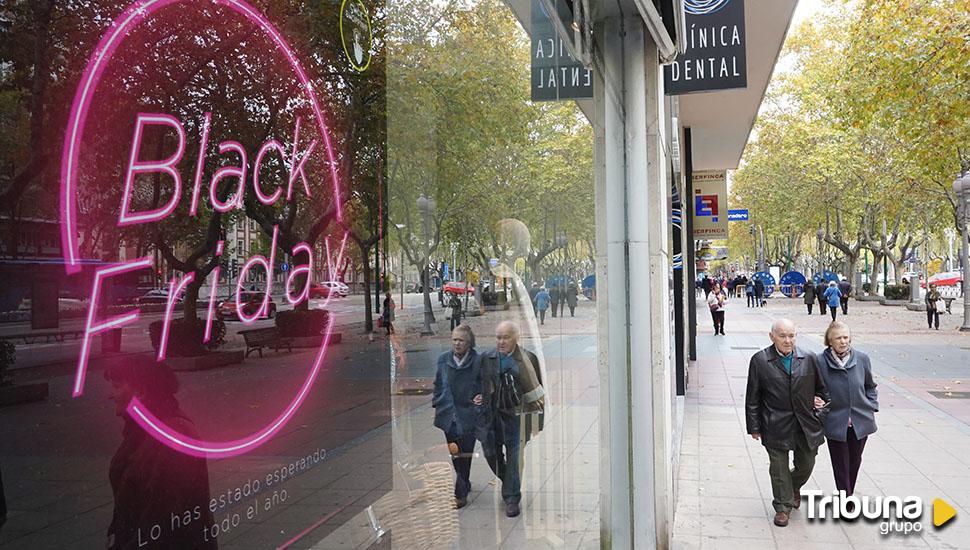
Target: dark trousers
[(718, 318), (572, 311), (455, 320), (846, 459), (3, 501), (932, 316), (750, 300), (834, 310), (554, 305), (810, 307), (542, 316), (463, 461), (845, 304), (760, 298), (784, 481), (501, 449), (821, 307)]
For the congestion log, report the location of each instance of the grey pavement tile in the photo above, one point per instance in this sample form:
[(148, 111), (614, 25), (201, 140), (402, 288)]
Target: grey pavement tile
[(733, 506), (736, 527), (735, 543)]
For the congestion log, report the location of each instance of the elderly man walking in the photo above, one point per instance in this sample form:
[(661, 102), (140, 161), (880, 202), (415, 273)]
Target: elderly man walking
[(785, 399), (513, 394)]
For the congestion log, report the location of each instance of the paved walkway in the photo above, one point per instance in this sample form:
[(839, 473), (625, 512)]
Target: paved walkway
[(922, 447)]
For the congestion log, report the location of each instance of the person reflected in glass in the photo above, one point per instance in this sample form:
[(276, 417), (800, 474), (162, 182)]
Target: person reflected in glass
[(454, 303), (851, 418), (514, 398), (554, 299), (387, 315), (457, 401), (543, 298), (151, 482), (572, 295)]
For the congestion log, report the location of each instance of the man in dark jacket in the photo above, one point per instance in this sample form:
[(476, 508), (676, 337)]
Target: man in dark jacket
[(783, 403), (809, 296), (820, 295), (506, 425), (554, 295), (759, 292), (457, 402), (845, 287)]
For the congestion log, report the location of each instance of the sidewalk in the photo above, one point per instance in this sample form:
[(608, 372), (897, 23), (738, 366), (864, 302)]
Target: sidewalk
[(922, 447)]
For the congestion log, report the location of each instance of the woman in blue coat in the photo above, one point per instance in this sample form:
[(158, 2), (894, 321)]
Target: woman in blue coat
[(854, 402), (834, 297), (543, 299)]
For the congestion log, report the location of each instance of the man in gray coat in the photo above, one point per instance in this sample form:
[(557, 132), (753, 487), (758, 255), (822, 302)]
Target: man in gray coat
[(783, 407)]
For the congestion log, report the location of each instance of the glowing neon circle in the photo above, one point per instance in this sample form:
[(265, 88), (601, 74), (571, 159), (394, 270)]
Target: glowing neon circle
[(135, 14)]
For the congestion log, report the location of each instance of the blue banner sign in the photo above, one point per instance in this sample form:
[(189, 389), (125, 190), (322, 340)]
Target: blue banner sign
[(738, 215)]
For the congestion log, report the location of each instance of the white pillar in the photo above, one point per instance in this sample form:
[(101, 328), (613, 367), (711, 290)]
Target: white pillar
[(635, 306)]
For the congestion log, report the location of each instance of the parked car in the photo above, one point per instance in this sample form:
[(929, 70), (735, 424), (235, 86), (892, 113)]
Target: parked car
[(251, 303), (157, 296), (458, 287), (336, 288), (319, 291)]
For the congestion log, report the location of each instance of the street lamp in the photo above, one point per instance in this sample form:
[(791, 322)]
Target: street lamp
[(951, 236), (426, 206), (400, 227), (961, 187), (821, 266)]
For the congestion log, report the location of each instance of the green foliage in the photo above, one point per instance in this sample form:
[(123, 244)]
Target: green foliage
[(896, 292), (295, 323), (185, 337)]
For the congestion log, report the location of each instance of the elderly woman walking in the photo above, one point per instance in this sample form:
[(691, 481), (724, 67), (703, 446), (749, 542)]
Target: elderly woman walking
[(851, 418)]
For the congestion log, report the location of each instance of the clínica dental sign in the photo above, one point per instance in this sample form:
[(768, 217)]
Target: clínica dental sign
[(716, 57)]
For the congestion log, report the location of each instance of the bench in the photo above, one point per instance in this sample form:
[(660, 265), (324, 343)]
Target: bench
[(259, 338)]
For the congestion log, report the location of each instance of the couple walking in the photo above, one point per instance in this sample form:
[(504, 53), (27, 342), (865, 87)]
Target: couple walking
[(796, 399), (495, 398)]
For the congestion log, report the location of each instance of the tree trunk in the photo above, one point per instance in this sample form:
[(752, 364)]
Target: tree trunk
[(301, 258), (368, 316)]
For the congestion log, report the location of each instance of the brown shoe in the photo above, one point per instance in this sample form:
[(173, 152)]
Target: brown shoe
[(461, 502), (512, 509), (798, 499), (453, 448), (781, 519)]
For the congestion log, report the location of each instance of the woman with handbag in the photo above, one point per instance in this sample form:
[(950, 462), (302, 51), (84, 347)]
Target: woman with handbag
[(715, 301)]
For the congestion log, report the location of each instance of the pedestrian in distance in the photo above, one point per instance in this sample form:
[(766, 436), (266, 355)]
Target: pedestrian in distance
[(706, 285), (554, 298), (933, 301), (715, 301), (820, 289), (834, 297), (454, 303), (542, 304), (514, 400), (759, 292), (533, 290), (749, 292), (845, 287), (851, 417), (809, 297), (784, 409), (458, 404), (387, 315), (572, 295)]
